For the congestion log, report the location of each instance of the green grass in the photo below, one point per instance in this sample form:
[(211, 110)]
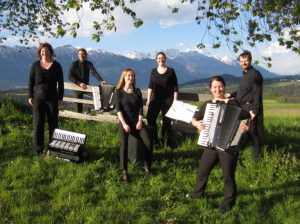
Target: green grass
[(42, 189), (274, 104)]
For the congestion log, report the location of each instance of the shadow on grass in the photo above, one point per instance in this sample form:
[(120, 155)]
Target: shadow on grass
[(111, 154), (267, 201), (273, 142)]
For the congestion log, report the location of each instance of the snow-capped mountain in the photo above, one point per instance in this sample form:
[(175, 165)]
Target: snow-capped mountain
[(15, 63)]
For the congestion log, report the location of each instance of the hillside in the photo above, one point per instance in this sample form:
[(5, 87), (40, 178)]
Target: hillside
[(43, 189), (15, 64)]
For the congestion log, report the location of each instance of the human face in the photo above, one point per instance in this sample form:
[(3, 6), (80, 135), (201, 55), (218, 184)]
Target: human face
[(45, 53), (81, 56), (160, 59), (129, 78), (217, 89), (244, 62)]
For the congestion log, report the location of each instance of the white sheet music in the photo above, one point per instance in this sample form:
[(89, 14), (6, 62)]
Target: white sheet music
[(181, 111)]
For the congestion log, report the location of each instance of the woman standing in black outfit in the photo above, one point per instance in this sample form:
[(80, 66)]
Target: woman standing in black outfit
[(129, 106), (162, 90), (45, 89), (210, 157)]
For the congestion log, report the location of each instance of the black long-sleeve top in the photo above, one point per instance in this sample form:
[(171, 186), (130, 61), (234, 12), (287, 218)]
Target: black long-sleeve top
[(249, 93), (47, 84), (80, 72), (163, 85), (130, 104)]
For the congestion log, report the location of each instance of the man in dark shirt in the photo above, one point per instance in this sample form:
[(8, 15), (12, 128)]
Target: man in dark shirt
[(249, 95), (80, 74)]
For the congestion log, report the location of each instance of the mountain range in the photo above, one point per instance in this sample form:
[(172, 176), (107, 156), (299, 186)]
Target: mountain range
[(15, 63)]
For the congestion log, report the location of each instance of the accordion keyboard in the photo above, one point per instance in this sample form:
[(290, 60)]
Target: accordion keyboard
[(208, 117), (96, 97), (67, 140)]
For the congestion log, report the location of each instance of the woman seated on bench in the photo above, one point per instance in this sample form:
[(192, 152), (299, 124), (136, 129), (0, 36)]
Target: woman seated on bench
[(129, 106)]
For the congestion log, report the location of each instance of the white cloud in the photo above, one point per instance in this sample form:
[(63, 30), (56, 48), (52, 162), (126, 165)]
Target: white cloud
[(273, 49), (147, 10), (284, 61), (150, 10), (15, 41)]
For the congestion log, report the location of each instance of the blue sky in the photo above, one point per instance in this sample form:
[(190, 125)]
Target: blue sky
[(163, 30)]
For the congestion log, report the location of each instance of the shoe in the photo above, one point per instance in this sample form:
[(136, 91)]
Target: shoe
[(125, 177), (171, 143), (194, 195), (225, 207), (147, 169)]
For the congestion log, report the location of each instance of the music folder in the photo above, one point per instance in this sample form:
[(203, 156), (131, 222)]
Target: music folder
[(181, 111)]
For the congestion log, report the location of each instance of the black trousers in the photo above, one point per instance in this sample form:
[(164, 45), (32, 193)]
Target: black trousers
[(255, 139), (228, 164), (155, 107), (79, 95), (41, 109), (145, 135)]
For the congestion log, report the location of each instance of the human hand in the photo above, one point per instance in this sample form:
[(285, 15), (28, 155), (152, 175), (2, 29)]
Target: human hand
[(227, 95), (198, 124), (244, 128), (139, 125), (82, 85), (252, 115), (30, 101), (126, 128)]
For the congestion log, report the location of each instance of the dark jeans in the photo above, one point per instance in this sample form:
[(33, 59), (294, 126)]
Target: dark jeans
[(155, 107), (41, 109), (145, 135), (228, 164)]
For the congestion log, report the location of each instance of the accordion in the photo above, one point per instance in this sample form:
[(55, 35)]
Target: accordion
[(222, 130), (67, 145), (103, 96)]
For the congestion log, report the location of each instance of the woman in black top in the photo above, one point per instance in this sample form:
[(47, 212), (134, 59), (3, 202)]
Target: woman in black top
[(45, 89), (129, 106), (210, 157), (162, 90)]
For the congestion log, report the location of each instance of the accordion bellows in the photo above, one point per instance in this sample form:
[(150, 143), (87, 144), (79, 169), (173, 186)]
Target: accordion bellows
[(67, 145), (222, 126)]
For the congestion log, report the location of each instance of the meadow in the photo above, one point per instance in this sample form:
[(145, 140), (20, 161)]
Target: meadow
[(43, 189)]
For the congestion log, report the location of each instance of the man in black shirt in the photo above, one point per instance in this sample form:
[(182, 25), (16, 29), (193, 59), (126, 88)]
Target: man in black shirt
[(249, 95), (80, 73)]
